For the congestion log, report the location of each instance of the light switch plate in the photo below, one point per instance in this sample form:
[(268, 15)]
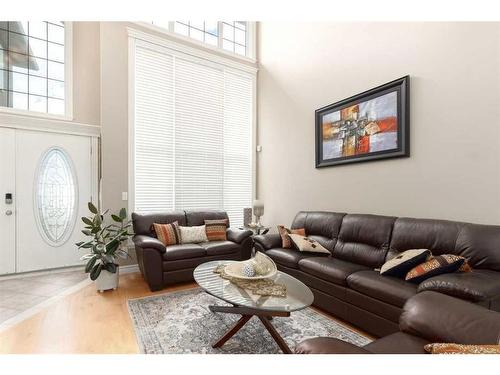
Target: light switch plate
[(124, 196)]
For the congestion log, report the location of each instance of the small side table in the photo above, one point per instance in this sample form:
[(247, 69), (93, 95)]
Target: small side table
[(257, 230)]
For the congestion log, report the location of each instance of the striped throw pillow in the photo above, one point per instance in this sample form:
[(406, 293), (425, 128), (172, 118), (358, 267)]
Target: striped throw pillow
[(168, 234), (446, 263), (284, 232), (216, 229)]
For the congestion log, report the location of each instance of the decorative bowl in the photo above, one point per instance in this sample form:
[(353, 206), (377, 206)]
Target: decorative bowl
[(264, 266)]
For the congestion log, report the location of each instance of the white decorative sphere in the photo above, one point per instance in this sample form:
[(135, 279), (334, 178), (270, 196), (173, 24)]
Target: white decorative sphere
[(248, 270)]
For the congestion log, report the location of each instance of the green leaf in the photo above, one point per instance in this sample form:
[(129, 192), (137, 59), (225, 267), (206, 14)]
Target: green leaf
[(86, 232), (116, 218), (92, 208), (79, 243), (111, 267), (123, 213), (90, 264), (96, 271), (86, 220), (97, 220)]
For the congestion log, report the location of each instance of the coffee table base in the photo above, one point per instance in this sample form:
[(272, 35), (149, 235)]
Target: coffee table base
[(246, 314)]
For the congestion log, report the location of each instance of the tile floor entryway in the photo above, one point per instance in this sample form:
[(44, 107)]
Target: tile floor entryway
[(20, 294)]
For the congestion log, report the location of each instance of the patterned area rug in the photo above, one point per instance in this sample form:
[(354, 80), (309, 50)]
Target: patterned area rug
[(181, 322)]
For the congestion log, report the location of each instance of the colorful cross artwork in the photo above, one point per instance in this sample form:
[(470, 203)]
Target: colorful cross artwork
[(357, 129)]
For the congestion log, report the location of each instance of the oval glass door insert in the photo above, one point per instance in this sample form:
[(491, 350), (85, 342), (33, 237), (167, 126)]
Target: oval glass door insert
[(55, 193)]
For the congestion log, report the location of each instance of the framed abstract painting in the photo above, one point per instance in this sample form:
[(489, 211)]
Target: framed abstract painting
[(372, 125)]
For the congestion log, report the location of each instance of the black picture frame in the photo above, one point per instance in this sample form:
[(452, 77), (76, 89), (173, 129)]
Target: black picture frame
[(402, 87)]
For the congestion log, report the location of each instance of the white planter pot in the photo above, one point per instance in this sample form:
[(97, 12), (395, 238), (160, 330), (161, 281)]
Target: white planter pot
[(107, 280)]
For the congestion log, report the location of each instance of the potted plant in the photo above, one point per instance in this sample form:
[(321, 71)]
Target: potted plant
[(106, 245)]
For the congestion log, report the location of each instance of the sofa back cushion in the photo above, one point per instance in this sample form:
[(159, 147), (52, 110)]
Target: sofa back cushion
[(364, 239), (439, 236), (480, 244), (198, 217), (321, 226), (142, 222)]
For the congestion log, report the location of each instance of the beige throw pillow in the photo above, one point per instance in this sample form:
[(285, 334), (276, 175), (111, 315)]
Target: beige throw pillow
[(307, 244), (193, 234)]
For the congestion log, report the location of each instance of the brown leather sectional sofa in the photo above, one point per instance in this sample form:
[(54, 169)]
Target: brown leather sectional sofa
[(162, 265), (428, 317), (347, 283)]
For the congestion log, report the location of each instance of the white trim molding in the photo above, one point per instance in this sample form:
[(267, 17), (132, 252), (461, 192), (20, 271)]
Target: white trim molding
[(26, 122), (194, 50)]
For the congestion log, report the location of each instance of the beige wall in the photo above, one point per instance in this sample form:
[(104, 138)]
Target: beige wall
[(453, 171), (86, 73)]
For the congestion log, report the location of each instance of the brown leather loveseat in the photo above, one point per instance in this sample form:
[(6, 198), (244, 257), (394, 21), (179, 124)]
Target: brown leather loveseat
[(347, 283), (162, 265), (427, 317)]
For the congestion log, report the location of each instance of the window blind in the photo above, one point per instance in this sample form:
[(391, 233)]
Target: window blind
[(192, 134)]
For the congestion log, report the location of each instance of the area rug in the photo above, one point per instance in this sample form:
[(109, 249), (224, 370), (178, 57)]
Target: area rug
[(181, 322)]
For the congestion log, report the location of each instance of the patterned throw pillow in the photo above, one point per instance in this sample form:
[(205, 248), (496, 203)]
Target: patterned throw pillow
[(285, 235), (442, 348), (195, 234), (216, 229), (402, 263), (168, 234), (307, 244), (438, 265)]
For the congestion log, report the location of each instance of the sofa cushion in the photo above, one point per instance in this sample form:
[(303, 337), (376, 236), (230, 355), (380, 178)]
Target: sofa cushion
[(398, 343), (288, 257), (198, 217), (143, 222), (322, 226), (220, 247), (480, 244), (445, 263), (384, 288), (329, 269), (364, 239), (476, 286), (183, 251), (439, 236)]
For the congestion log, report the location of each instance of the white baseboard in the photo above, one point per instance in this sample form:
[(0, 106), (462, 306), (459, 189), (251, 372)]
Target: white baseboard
[(129, 269), (41, 272)]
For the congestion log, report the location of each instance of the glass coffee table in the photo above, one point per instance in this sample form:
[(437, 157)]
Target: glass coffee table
[(246, 304)]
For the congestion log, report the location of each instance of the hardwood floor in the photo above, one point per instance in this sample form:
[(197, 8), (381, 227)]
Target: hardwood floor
[(85, 322)]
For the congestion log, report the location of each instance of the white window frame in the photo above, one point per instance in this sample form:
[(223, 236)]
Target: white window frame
[(251, 35), (68, 84), (135, 36)]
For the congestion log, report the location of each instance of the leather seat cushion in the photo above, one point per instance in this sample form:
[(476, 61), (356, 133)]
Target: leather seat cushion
[(220, 247), (384, 288), (328, 345), (398, 343), (183, 251), (478, 285), (288, 257), (330, 269)]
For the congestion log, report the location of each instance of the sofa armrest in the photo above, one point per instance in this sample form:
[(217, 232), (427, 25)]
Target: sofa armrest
[(268, 241), (238, 235), (437, 317), (144, 241)]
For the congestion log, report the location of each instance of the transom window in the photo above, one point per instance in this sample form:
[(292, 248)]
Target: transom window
[(32, 66), (232, 36)]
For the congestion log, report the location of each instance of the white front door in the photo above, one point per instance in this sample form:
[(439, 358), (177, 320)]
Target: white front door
[(7, 207), (53, 185)]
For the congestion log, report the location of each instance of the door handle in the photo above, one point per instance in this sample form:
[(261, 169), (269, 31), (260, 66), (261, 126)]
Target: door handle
[(8, 212)]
